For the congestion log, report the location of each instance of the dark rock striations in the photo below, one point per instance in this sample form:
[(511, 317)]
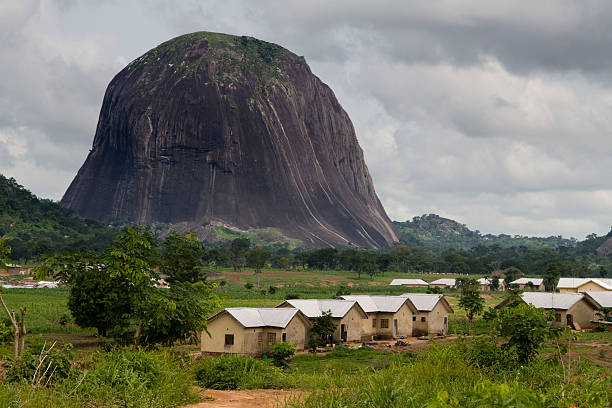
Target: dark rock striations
[(234, 131)]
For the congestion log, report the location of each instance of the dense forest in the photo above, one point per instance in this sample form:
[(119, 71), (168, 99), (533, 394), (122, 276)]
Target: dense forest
[(34, 226)]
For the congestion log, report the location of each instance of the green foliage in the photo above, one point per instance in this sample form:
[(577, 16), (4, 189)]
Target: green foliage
[(182, 258), (41, 364), (470, 300), (525, 328), (486, 394), (322, 327), (232, 372), (238, 250), (178, 313), (281, 353), (7, 333), (33, 226)]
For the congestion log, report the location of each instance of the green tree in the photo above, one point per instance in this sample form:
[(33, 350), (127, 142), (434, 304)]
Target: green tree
[(237, 251), (281, 353), (183, 258), (551, 276), (525, 329), (19, 328), (322, 327), (178, 313), (256, 258), (512, 274), (470, 301)]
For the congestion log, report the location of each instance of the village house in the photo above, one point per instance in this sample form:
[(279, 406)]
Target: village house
[(529, 284), (388, 316), (347, 315), (409, 283), (253, 331), (571, 309), (566, 285), (486, 284), (444, 283), (603, 300), (432, 316)]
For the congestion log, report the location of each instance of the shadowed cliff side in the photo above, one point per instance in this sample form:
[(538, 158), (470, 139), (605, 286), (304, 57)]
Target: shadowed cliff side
[(234, 131)]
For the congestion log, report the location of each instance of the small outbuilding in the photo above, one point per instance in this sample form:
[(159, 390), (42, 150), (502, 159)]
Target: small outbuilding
[(567, 285), (432, 313), (253, 331), (409, 283), (529, 284), (348, 316), (388, 316)]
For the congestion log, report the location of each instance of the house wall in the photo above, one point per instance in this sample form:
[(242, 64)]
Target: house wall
[(436, 319), (590, 286), (582, 313), (251, 341), (535, 288), (355, 323), (404, 324)]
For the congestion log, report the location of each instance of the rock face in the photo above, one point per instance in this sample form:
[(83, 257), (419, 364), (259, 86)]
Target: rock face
[(213, 128)]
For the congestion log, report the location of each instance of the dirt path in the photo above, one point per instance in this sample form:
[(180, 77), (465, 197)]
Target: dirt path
[(243, 399)]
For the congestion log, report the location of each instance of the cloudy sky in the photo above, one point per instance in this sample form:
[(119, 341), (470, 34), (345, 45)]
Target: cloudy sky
[(496, 114)]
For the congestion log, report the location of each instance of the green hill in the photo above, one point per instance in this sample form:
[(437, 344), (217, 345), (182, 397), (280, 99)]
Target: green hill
[(34, 226), (435, 233)]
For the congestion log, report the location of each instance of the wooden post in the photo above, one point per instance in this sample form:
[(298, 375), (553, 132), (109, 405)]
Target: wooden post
[(22, 331)]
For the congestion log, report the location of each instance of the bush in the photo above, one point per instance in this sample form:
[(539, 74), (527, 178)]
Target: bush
[(134, 378), (41, 364), (232, 372), (7, 333), (281, 352)]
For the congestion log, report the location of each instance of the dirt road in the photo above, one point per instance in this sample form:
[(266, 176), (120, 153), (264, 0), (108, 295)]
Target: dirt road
[(243, 399)]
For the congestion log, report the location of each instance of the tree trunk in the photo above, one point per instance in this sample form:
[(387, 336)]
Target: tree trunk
[(11, 316), (137, 334)]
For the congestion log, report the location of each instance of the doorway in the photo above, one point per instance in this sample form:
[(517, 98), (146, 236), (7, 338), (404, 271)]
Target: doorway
[(343, 333), (394, 327), (570, 320)]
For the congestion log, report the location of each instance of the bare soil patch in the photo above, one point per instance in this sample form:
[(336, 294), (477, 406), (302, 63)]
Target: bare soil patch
[(244, 398)]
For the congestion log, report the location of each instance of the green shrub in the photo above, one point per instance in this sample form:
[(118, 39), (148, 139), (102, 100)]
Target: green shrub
[(7, 333), (232, 372), (281, 352), (41, 364)]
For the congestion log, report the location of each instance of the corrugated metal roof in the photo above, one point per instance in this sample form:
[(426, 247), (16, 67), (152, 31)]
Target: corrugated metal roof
[(572, 283), (370, 304), (544, 300), (261, 317), (315, 307), (485, 281), (444, 281), (424, 302), (524, 281), (399, 282), (603, 298)]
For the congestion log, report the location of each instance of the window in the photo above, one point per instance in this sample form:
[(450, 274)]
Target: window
[(423, 318), (557, 317), (414, 318), (271, 338), (284, 336), (374, 323), (384, 323), (229, 339)]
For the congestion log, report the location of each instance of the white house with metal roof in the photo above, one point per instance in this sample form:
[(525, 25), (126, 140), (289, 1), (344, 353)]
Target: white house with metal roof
[(444, 283), (410, 283), (253, 331), (570, 309), (532, 284), (432, 316), (566, 285), (487, 284), (346, 314), (388, 316)]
